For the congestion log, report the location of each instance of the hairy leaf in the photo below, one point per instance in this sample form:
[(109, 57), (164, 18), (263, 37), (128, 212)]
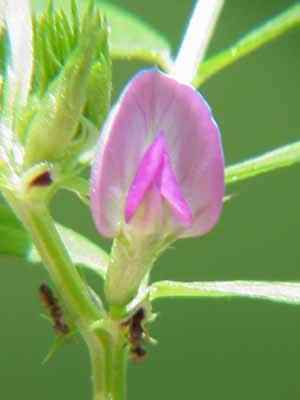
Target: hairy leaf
[(267, 32), (282, 157), (280, 292)]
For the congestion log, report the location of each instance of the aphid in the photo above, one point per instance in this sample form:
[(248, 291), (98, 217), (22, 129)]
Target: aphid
[(51, 304), (43, 179), (136, 333)]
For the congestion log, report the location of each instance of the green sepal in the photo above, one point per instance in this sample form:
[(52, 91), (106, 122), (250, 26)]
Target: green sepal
[(99, 92), (71, 89), (131, 260), (56, 124)]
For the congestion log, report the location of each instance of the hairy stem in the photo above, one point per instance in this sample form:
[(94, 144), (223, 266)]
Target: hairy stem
[(269, 31), (106, 346), (111, 364), (119, 366), (66, 278), (283, 157), (100, 368)]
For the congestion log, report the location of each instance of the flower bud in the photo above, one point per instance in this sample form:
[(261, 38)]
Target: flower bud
[(158, 176), (57, 123)]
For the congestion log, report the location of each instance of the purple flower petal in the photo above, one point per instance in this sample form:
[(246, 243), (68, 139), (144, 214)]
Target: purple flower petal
[(154, 171), (151, 103), (148, 169), (170, 190)]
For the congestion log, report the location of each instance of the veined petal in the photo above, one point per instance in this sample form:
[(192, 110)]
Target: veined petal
[(170, 190), (153, 102)]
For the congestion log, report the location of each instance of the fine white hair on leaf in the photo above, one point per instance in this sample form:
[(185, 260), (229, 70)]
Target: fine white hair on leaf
[(15, 15), (281, 292)]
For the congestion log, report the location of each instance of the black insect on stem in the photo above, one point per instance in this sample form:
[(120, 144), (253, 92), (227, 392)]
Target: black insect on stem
[(136, 335), (54, 309)]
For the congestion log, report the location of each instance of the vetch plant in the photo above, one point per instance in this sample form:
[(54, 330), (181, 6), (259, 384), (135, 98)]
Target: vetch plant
[(157, 161)]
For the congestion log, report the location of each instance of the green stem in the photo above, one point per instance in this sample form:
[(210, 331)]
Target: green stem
[(109, 362), (252, 41), (112, 362), (119, 366), (279, 158), (65, 276), (100, 368), (74, 293)]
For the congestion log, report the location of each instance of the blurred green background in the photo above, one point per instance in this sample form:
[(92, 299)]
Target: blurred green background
[(208, 349)]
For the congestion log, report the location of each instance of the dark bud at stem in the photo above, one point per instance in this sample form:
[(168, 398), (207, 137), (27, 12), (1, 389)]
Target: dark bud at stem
[(43, 179)]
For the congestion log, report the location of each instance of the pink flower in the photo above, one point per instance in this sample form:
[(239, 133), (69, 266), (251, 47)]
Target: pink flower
[(159, 168)]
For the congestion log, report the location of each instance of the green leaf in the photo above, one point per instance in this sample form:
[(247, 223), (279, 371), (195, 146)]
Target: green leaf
[(283, 157), (15, 241), (132, 38), (280, 292), (269, 31)]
